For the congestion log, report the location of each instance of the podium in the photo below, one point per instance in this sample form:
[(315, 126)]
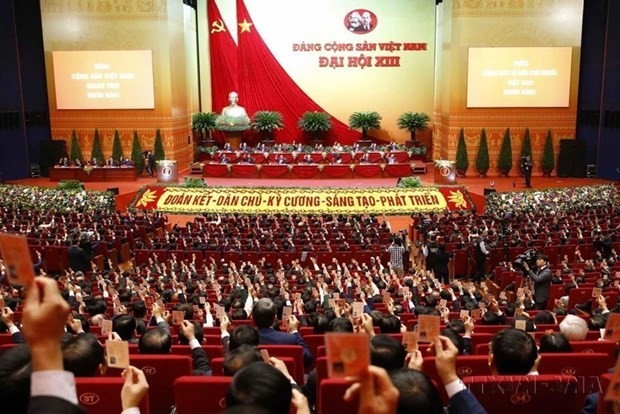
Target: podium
[(167, 171), (445, 173)]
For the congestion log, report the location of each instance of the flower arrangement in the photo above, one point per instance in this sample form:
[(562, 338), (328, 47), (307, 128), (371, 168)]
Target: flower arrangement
[(193, 182), (444, 163), (232, 123), (166, 163), (552, 199), (409, 182), (68, 197), (208, 150)]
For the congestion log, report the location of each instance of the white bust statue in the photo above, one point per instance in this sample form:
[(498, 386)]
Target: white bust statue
[(234, 110)]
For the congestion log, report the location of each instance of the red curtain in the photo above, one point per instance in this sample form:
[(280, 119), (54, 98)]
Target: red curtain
[(224, 67), (265, 85)]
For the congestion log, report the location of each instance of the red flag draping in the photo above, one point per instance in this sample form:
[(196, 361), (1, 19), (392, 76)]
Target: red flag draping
[(265, 85), (223, 54)]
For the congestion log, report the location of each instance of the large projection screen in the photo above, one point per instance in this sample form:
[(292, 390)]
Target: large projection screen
[(521, 77), (103, 79)]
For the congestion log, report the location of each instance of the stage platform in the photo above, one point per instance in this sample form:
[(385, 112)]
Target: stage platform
[(475, 186), (97, 174), (305, 171)]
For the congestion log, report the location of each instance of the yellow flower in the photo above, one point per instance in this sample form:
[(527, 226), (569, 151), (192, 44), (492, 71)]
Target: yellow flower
[(458, 199), (147, 197)]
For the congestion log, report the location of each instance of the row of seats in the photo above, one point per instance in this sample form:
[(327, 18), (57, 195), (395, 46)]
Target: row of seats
[(564, 388)]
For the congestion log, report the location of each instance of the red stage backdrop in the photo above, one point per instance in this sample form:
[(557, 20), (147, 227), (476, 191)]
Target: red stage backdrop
[(338, 57), (264, 85), (223, 53)]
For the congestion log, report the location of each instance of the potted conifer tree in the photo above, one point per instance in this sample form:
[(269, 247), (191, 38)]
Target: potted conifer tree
[(504, 164), (97, 152), (548, 158), (158, 151), (526, 149), (482, 159), (462, 161), (137, 157), (117, 148), (76, 151)]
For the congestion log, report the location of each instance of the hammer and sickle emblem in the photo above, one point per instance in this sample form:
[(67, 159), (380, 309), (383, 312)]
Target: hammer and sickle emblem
[(217, 26)]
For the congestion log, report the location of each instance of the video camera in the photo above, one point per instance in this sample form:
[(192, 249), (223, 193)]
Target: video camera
[(528, 256)]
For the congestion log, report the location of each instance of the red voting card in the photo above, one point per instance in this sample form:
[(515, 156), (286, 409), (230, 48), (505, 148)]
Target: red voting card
[(117, 354), (358, 309), (428, 328), (410, 341), (612, 328), (520, 325), (16, 258), (177, 317), (348, 354), (106, 327)]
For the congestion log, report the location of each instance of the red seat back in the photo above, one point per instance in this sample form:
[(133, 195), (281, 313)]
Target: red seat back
[(584, 366), (470, 365), (6, 339), (331, 397), (589, 347), (217, 365), (314, 342), (101, 395), (212, 351), (522, 394), (160, 372), (198, 395)]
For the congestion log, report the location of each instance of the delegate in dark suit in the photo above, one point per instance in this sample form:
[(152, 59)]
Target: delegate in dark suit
[(39, 405), (78, 259), (264, 315), (440, 266), (269, 336), (465, 402)]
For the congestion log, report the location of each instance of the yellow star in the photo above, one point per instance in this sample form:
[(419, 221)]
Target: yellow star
[(245, 26)]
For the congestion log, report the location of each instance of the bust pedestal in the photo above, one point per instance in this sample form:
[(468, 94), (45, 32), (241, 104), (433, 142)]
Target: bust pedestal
[(233, 138)]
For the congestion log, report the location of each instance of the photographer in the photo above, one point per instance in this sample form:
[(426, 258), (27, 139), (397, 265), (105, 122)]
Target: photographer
[(397, 251), (440, 265), (542, 280), (430, 250)]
